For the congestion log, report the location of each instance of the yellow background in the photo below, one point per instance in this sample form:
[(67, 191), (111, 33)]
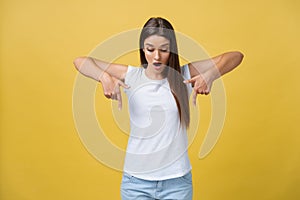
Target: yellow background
[(42, 157)]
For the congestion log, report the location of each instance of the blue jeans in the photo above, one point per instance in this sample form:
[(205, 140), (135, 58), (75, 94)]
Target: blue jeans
[(133, 188)]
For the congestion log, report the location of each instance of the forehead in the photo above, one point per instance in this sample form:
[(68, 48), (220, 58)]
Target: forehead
[(156, 40)]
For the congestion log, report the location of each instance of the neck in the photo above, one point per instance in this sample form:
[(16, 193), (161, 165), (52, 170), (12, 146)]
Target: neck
[(153, 75)]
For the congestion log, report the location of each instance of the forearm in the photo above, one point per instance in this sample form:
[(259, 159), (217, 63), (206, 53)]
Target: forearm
[(89, 68), (200, 67), (227, 62)]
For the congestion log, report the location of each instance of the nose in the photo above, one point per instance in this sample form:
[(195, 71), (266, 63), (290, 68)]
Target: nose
[(156, 55)]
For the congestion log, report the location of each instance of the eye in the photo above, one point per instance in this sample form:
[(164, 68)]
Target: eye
[(164, 50), (150, 50)]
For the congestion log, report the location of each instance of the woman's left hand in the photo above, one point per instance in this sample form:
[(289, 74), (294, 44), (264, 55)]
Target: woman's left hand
[(202, 84)]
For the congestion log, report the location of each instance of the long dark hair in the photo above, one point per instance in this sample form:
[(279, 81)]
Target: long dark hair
[(161, 27)]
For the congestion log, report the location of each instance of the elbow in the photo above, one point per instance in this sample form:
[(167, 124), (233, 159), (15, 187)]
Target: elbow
[(78, 62), (240, 56), (237, 57)]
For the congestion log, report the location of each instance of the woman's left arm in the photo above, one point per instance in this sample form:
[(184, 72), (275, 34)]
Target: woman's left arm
[(218, 65), (204, 72)]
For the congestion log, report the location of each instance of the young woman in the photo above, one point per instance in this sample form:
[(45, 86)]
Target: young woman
[(157, 164)]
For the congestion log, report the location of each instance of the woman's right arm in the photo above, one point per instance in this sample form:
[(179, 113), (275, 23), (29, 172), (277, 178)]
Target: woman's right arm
[(95, 68), (110, 82)]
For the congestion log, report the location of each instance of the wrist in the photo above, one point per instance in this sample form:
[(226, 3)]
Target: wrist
[(102, 76), (213, 73)]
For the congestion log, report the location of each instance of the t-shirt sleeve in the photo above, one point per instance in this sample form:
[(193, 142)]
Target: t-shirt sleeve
[(186, 76), (129, 69), (127, 77), (131, 77)]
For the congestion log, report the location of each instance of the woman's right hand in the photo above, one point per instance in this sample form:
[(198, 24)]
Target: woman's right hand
[(111, 88)]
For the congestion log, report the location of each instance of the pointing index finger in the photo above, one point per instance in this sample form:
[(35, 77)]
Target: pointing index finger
[(187, 81)]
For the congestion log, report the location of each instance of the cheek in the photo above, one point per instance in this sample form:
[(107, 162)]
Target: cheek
[(166, 57), (148, 56)]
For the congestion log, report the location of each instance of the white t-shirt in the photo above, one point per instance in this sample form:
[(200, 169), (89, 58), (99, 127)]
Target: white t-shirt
[(157, 145)]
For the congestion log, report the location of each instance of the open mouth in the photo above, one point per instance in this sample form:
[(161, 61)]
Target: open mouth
[(157, 64)]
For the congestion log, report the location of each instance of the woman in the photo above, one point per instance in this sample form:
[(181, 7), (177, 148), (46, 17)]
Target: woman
[(157, 164)]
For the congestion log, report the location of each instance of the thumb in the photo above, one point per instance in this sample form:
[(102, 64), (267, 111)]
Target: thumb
[(123, 85)]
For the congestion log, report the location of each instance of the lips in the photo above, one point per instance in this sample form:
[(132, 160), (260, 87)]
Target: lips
[(157, 64)]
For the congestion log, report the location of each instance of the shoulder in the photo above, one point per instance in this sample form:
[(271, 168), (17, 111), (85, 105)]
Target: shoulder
[(133, 77), (131, 69), (133, 72), (185, 72)]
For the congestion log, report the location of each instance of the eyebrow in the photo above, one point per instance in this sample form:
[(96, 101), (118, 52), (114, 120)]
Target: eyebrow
[(160, 45)]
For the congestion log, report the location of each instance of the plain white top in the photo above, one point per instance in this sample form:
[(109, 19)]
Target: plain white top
[(157, 145)]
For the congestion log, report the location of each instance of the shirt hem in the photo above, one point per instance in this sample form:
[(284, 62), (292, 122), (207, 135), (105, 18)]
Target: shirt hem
[(153, 178)]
